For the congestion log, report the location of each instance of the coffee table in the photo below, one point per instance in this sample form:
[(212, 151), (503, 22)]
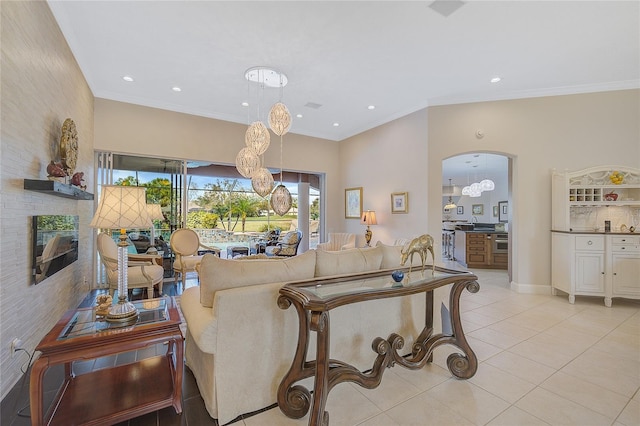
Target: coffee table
[(110, 395), (313, 301)]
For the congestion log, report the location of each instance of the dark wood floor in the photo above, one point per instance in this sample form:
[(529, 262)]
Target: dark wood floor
[(14, 409)]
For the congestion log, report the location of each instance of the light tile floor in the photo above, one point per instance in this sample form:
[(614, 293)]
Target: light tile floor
[(542, 361)]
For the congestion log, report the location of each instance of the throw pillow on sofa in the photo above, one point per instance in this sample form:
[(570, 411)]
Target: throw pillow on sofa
[(219, 274), (392, 255), (347, 261)]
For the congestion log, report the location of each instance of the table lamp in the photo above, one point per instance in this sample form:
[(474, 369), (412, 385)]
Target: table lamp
[(368, 218), (122, 207), (155, 213)]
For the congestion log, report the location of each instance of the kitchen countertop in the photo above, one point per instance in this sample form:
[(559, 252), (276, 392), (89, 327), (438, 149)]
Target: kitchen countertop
[(596, 232), (481, 231)]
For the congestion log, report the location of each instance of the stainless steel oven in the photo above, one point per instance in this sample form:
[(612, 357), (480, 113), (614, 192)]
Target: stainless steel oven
[(500, 243)]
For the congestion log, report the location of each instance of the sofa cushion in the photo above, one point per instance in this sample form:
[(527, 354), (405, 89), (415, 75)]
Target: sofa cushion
[(347, 261), (219, 274)]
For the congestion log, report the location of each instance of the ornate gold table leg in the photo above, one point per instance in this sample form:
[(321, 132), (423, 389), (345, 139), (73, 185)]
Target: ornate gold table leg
[(320, 324), (294, 401), (461, 366)]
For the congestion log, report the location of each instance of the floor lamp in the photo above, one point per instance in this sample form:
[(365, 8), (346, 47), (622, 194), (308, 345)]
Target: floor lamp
[(122, 207)]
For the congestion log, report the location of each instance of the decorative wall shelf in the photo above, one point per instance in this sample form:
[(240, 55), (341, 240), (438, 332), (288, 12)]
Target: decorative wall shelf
[(56, 188)]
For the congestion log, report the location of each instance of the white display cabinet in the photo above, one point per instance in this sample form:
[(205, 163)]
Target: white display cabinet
[(587, 259), (583, 200)]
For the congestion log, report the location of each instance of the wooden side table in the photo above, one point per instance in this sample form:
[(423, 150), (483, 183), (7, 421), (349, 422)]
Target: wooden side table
[(111, 395)]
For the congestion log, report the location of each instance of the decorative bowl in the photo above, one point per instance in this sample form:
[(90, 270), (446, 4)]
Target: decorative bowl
[(612, 196)]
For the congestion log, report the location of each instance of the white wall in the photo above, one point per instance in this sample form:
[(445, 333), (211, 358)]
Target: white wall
[(562, 132), (390, 158), (41, 86)]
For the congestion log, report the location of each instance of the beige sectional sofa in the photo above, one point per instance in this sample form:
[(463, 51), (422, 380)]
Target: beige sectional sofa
[(239, 344)]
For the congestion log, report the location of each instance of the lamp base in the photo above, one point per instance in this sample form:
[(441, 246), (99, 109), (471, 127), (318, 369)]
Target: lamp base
[(123, 311), (367, 236)]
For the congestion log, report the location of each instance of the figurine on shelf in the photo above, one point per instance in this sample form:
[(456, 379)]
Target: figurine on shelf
[(77, 180), (56, 172)]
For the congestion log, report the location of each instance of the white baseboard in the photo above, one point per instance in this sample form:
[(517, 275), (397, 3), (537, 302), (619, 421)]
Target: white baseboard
[(530, 288)]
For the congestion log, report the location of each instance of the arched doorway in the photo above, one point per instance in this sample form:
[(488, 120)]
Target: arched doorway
[(489, 210)]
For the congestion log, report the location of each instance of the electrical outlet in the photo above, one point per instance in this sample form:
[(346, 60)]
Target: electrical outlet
[(15, 345)]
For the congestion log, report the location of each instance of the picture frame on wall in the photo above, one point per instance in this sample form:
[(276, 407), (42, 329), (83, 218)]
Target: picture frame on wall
[(503, 211), (400, 202), (460, 210), (353, 203), (477, 209)]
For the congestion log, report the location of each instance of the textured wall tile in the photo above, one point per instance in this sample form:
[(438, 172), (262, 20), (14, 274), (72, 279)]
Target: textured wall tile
[(41, 86)]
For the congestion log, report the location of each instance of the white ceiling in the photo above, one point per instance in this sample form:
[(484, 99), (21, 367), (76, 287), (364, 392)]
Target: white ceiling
[(400, 56), (468, 168)]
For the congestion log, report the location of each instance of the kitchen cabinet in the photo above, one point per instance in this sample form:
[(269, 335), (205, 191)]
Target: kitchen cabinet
[(476, 250), (586, 260), (625, 266)]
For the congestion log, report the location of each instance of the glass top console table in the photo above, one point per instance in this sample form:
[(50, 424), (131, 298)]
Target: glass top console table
[(313, 301), (110, 395)]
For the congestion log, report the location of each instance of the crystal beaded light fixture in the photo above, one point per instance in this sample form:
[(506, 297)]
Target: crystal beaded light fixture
[(281, 200), (257, 137), (279, 119), (262, 182), (247, 162)]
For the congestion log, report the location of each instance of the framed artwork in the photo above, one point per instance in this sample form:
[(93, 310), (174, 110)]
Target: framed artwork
[(460, 210), (477, 209), (400, 202), (495, 211), (503, 211), (353, 203)]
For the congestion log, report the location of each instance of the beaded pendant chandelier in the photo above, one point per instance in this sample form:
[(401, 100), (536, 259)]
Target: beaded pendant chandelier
[(257, 139), (262, 182), (247, 162)]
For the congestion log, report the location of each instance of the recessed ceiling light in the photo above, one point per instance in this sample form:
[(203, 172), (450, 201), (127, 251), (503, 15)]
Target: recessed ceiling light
[(245, 104), (371, 107), (299, 115), (336, 124), (176, 89), (495, 79), (127, 78)]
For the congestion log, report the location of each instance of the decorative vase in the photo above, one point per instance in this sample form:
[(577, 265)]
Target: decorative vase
[(397, 276)]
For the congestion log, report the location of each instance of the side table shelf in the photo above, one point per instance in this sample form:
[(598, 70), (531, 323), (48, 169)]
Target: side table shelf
[(56, 188), (118, 393)]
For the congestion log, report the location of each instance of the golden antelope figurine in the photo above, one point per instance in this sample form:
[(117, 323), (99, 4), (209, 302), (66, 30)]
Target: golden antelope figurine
[(419, 245)]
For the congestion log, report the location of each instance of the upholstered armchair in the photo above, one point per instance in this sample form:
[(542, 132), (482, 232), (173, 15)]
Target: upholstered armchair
[(287, 246), (338, 241), (142, 270), (185, 244), (259, 243)]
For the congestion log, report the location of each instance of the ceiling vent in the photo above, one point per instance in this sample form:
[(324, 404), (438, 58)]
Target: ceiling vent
[(446, 7)]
